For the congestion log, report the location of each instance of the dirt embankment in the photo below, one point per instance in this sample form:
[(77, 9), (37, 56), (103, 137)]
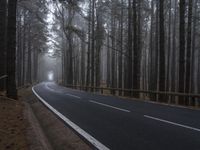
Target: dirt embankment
[(50, 131), (12, 125), (26, 124)]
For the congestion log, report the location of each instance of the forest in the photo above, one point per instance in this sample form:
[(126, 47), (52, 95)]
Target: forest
[(141, 45)]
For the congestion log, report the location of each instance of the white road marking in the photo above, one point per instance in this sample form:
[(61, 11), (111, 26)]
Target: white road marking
[(80, 131), (56, 91), (73, 96), (173, 123), (50, 89), (110, 106)]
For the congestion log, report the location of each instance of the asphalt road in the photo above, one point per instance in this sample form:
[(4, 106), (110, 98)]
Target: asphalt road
[(118, 124)]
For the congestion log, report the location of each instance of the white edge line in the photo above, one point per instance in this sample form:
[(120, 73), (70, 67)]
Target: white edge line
[(73, 96), (173, 123), (110, 106), (80, 131)]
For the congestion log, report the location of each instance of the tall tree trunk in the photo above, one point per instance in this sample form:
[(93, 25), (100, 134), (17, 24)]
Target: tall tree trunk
[(139, 35), (194, 74), (24, 48), (29, 61), (11, 50), (70, 71), (174, 52), (93, 44), (189, 45), (121, 46), (151, 51), (162, 51), (113, 53), (83, 63), (130, 48), (182, 49), (35, 61), (89, 47), (169, 53), (99, 42), (70, 78), (136, 46), (108, 60), (154, 65), (3, 8), (19, 50)]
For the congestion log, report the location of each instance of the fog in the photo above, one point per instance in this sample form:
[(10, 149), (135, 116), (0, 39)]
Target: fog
[(50, 62), (49, 68)]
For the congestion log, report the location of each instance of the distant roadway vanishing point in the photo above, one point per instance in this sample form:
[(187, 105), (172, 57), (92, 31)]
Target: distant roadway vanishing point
[(108, 122)]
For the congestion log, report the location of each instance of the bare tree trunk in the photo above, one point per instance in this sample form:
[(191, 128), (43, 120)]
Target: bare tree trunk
[(174, 51), (29, 61), (35, 65), (24, 48), (93, 44), (108, 60), (189, 46), (194, 70), (162, 52), (99, 42), (113, 53), (136, 46), (3, 4), (182, 49), (89, 47), (130, 49), (11, 50), (70, 71), (121, 46), (19, 50), (154, 63), (83, 63), (169, 53), (151, 50), (70, 78)]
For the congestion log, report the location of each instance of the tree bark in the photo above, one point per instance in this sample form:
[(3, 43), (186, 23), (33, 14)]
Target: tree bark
[(113, 53), (162, 51), (182, 49), (89, 47), (189, 46), (130, 49), (11, 50), (136, 46), (108, 60), (121, 46), (93, 44), (3, 10), (174, 52)]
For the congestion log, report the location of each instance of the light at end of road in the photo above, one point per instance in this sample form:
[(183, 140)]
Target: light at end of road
[(50, 76)]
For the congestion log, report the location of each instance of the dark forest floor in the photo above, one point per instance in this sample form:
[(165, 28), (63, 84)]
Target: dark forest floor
[(12, 125)]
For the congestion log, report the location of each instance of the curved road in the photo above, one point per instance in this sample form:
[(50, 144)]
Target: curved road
[(113, 123)]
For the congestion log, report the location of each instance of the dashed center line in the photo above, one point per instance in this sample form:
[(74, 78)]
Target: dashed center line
[(73, 96), (124, 110), (172, 123), (75, 127)]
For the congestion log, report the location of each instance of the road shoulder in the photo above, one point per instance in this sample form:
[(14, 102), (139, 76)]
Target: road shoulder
[(50, 132)]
